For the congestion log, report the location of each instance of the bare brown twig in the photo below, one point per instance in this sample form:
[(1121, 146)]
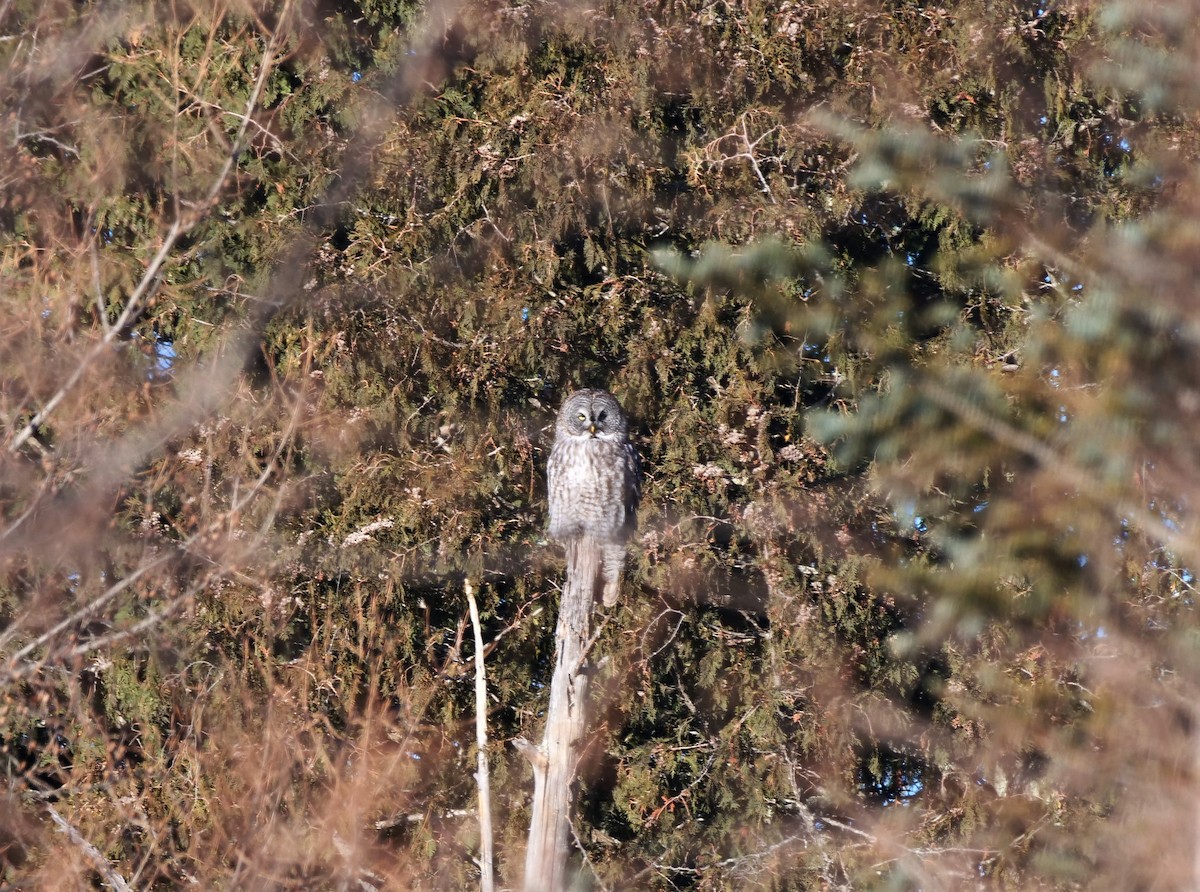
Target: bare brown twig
[(182, 224)]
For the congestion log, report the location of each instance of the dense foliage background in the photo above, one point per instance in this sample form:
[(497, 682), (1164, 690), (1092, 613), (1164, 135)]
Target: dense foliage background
[(901, 298)]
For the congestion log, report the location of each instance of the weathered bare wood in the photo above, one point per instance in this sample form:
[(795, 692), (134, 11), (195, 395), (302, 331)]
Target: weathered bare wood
[(556, 760), (487, 880), (93, 854)]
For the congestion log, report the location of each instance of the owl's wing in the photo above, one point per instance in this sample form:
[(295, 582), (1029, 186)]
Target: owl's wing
[(633, 485)]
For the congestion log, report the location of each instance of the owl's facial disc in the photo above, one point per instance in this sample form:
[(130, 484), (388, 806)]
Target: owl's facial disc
[(588, 422)]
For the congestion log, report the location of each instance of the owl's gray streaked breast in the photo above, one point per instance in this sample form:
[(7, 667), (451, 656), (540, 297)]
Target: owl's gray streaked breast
[(590, 483), (593, 470)]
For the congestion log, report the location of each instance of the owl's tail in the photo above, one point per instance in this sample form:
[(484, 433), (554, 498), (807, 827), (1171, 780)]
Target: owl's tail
[(612, 566)]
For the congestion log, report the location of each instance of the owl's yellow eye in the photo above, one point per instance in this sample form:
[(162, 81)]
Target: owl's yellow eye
[(582, 416)]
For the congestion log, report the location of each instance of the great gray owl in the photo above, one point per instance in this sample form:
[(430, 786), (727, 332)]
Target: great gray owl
[(593, 479)]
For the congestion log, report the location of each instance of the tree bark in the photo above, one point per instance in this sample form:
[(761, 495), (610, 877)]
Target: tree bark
[(555, 761)]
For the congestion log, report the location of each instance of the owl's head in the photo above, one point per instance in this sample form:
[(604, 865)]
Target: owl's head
[(592, 413)]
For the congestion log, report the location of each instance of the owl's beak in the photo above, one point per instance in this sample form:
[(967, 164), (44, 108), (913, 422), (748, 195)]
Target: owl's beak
[(592, 428)]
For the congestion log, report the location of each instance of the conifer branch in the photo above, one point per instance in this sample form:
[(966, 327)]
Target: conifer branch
[(1021, 441)]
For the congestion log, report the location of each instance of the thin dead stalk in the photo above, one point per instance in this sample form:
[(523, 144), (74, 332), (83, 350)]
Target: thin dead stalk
[(487, 880)]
